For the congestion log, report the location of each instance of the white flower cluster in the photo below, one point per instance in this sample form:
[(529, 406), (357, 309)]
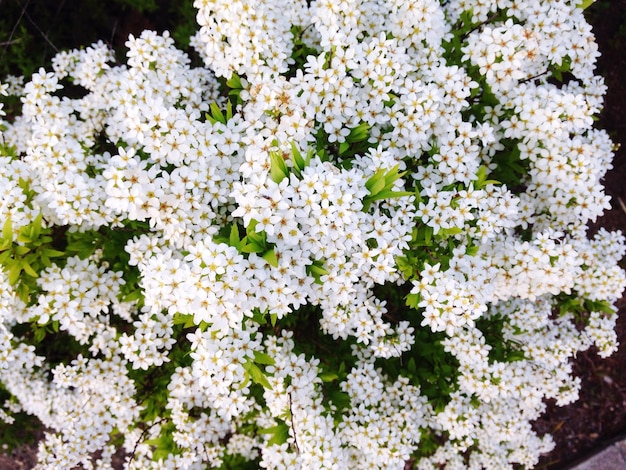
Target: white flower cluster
[(370, 151)]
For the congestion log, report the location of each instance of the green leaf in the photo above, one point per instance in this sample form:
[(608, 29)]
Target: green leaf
[(262, 358), (297, 157), (380, 186), (50, 253), (14, 272), (340, 399), (377, 186), (256, 374), (36, 226), (259, 317), (257, 237), (252, 247), (23, 292), (4, 257), (481, 178), (278, 167), (317, 270), (411, 367), (471, 250), (234, 82), (358, 133), (7, 230), (24, 235), (423, 235), (180, 318), (233, 239), (405, 267), (374, 179), (28, 269), (280, 434), (216, 113), (21, 250), (5, 244), (447, 232), (328, 376), (229, 111), (270, 257), (39, 335), (384, 194), (412, 300), (343, 147), (585, 4), (133, 296), (599, 306)]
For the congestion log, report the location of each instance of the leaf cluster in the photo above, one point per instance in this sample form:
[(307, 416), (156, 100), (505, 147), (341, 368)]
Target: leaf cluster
[(25, 256)]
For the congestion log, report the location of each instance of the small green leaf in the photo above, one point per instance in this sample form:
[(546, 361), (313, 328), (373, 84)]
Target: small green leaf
[(28, 269), (297, 156), (217, 114), (256, 374), (4, 257), (259, 317), (39, 335), (36, 226), (447, 232), (358, 133), (384, 194), (233, 239), (317, 270), (5, 244), (423, 235), (340, 399), (377, 186), (7, 230), (328, 376), (471, 250), (234, 82), (23, 292), (181, 318), (133, 296), (262, 358), (481, 178), (278, 167), (270, 257), (50, 253), (252, 247), (374, 179), (259, 237), (405, 267), (229, 111), (21, 250), (280, 434), (412, 300), (14, 272), (25, 235)]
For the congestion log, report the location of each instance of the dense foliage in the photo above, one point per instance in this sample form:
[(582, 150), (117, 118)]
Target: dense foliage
[(356, 238)]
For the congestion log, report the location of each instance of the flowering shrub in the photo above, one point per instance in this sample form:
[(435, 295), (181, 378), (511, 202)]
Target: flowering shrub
[(356, 239)]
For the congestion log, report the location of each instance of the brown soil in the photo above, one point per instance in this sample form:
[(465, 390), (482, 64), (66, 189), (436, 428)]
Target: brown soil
[(600, 414)]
